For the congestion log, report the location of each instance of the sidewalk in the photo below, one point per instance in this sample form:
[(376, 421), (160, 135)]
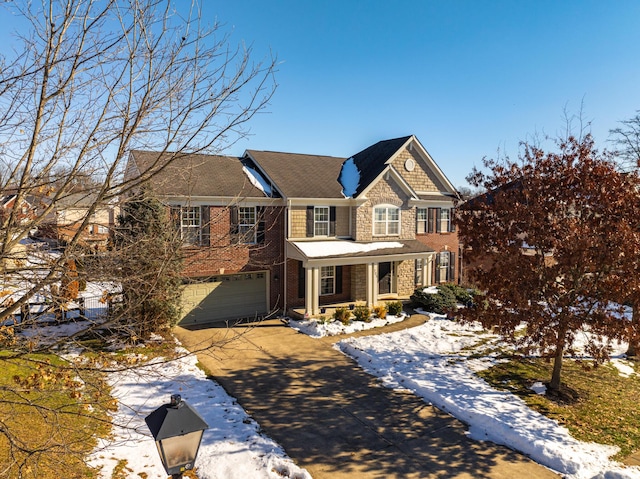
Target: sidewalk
[(337, 421)]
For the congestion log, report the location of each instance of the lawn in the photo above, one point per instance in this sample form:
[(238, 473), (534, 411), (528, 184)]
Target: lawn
[(605, 410), (53, 415)]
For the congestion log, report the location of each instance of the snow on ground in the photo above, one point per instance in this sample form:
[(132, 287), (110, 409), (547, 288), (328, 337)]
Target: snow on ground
[(432, 360), (318, 329), (232, 447)]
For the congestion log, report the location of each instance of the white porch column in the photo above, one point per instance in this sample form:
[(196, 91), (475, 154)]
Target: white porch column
[(369, 295), (427, 271), (308, 292), (315, 290), (372, 284)]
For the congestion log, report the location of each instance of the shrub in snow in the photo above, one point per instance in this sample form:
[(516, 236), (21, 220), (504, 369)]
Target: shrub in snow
[(394, 307), (441, 302), (362, 313), (380, 311), (463, 295), (342, 314)]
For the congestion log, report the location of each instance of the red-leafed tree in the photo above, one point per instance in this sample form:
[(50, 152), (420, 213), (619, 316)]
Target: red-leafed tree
[(553, 242)]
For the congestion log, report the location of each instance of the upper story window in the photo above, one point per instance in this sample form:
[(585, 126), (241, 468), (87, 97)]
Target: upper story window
[(434, 220), (386, 221), (190, 224), (247, 224), (321, 221)]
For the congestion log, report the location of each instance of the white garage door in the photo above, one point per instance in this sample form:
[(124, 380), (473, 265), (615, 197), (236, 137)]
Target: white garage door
[(225, 297)]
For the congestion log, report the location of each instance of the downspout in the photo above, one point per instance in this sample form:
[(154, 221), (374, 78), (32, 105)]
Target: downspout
[(284, 254)]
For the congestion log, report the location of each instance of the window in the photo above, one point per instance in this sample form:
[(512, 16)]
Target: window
[(419, 267), (321, 221), (246, 224), (421, 220), (386, 221), (445, 267), (445, 220), (102, 230), (439, 221), (327, 280), (190, 224)]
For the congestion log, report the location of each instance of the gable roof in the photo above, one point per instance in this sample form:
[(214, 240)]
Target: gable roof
[(194, 174), (300, 176), (373, 160)]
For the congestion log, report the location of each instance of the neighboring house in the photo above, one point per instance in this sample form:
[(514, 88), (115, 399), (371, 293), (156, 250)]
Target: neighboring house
[(68, 215), (23, 213), (281, 231)]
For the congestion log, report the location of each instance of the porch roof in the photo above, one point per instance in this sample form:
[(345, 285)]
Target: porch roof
[(355, 252)]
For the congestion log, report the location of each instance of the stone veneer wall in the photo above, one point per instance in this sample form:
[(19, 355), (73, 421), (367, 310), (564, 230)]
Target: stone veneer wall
[(385, 192), (421, 178), (359, 282), (405, 271)]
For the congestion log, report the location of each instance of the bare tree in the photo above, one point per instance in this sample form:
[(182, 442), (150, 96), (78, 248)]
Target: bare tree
[(85, 83), (627, 140)]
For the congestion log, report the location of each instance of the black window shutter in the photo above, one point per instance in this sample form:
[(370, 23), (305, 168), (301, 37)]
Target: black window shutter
[(233, 216), (430, 220), (301, 280), (437, 269), (338, 279), (260, 225), (438, 220), (205, 225), (332, 221), (452, 267), (452, 224), (310, 221)]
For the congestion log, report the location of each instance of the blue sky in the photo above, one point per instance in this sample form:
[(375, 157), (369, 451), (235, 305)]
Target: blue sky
[(466, 77)]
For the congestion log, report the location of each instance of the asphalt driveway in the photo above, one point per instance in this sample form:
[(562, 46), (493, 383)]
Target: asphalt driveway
[(337, 421)]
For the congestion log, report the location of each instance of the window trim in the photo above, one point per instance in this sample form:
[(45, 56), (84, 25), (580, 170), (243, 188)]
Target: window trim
[(190, 225), (386, 222), (326, 223), (247, 232), (422, 224), (324, 276)]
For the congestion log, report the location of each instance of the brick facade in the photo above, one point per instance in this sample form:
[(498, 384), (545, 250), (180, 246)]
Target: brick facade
[(224, 256)]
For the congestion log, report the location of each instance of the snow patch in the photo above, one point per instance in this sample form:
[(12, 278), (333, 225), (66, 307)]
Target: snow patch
[(318, 249), (257, 180)]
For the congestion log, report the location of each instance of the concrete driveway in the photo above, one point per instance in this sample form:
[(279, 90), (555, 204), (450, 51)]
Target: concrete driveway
[(337, 421)]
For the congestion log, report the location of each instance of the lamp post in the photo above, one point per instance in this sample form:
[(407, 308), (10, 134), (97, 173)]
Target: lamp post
[(177, 429)]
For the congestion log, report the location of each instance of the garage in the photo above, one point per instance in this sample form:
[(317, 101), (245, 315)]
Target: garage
[(225, 297)]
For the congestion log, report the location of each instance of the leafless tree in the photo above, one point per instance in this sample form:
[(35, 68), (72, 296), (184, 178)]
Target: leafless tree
[(86, 82)]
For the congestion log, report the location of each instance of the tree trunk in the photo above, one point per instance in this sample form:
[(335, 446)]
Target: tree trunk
[(632, 351), (554, 385)]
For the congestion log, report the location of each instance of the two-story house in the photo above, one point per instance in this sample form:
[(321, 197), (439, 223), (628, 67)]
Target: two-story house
[(286, 231)]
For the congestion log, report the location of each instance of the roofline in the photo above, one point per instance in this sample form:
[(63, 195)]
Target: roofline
[(434, 165), (398, 178), (247, 153)]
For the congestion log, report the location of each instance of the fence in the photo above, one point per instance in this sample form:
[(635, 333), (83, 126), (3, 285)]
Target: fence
[(90, 307)]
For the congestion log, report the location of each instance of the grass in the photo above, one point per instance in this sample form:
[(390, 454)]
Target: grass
[(52, 415), (606, 409)]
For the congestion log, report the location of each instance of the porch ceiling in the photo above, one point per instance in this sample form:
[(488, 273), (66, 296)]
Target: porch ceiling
[(355, 252)]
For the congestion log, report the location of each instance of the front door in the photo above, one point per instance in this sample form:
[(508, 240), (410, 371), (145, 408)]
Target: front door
[(385, 278)]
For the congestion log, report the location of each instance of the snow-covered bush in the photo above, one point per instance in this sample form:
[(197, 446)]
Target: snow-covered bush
[(440, 301)]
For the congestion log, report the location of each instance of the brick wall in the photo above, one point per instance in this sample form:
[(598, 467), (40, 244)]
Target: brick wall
[(443, 242), (225, 257), (295, 301)]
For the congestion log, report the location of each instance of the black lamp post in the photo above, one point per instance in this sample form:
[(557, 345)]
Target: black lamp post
[(177, 429)]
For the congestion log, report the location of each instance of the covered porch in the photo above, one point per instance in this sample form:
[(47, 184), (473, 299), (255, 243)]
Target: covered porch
[(374, 271)]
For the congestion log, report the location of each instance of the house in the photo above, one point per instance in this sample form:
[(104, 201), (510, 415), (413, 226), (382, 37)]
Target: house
[(296, 232), (68, 215)]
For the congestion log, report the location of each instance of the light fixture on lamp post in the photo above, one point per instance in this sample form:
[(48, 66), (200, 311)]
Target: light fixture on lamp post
[(177, 429)]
